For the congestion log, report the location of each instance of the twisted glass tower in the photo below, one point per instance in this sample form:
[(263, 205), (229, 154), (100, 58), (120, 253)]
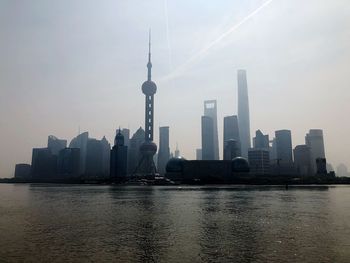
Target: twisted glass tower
[(148, 149)]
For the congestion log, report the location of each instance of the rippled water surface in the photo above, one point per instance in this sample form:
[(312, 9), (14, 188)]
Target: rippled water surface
[(60, 223)]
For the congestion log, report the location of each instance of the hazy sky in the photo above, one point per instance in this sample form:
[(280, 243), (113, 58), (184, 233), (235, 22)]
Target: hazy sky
[(66, 63)]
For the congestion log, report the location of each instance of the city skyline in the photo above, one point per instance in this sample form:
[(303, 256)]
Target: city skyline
[(27, 120)]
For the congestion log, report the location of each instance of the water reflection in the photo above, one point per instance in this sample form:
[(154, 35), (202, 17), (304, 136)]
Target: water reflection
[(171, 224)]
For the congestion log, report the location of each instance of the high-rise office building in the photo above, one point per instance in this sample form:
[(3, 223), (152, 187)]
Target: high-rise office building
[(164, 150), (231, 132), (273, 150), (44, 164), (208, 152), (119, 158), (259, 155), (231, 149), (68, 163), (243, 112), (80, 142), (148, 149), (259, 161), (261, 141), (302, 160), (284, 146), (22, 171), (106, 156), (321, 166), (126, 134), (55, 144), (210, 110), (94, 158), (314, 139), (134, 154)]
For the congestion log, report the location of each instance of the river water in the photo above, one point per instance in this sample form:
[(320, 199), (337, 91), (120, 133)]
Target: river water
[(85, 223)]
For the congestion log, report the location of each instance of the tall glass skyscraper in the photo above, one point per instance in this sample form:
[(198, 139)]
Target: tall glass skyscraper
[(231, 132), (210, 110), (207, 138), (164, 149), (314, 139), (284, 146), (243, 112)]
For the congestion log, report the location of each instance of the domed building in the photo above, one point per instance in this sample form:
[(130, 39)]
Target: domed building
[(240, 165), (175, 165)]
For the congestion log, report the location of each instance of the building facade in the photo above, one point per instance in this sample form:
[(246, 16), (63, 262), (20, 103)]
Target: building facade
[(210, 110), (259, 161), (164, 149), (55, 144), (231, 132), (314, 139), (68, 163), (243, 112), (302, 160), (284, 146), (134, 154), (208, 152), (80, 142), (22, 171), (119, 159), (231, 149), (44, 164)]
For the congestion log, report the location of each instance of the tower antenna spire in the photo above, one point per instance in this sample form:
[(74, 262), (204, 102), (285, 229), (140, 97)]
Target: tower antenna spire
[(149, 64)]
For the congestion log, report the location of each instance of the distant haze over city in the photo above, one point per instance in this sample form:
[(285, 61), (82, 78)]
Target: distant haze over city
[(70, 66)]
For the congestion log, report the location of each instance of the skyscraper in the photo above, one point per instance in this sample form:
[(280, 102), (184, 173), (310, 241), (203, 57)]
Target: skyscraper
[(259, 161), (106, 156), (55, 144), (208, 152), (134, 154), (210, 110), (126, 134), (148, 148), (243, 112), (22, 171), (284, 147), (80, 142), (231, 149), (119, 158), (68, 163), (302, 160), (95, 158), (231, 132), (164, 150), (259, 155), (261, 141), (44, 164), (314, 139)]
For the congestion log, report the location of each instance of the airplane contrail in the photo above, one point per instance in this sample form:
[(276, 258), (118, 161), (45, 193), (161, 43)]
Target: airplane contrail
[(205, 50)]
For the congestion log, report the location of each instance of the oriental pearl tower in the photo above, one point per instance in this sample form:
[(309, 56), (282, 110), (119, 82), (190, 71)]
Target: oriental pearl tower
[(148, 149)]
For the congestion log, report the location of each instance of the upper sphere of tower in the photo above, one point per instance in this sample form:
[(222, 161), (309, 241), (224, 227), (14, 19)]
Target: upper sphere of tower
[(149, 88)]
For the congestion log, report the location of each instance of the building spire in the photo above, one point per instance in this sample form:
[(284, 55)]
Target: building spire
[(149, 64)]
